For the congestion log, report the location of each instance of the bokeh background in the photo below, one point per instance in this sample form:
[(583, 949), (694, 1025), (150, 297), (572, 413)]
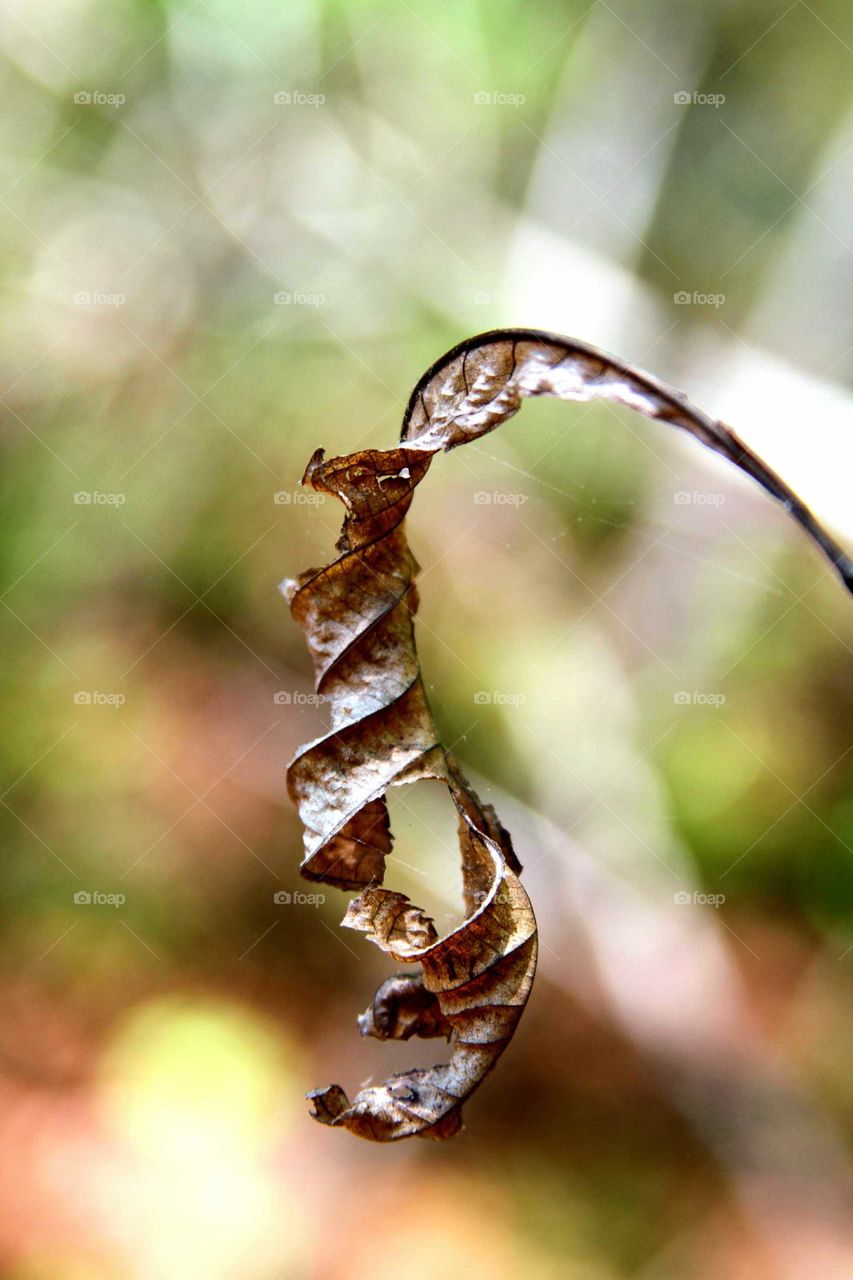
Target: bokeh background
[(235, 233)]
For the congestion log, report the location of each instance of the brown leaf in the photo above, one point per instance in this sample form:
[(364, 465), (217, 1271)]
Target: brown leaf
[(357, 614)]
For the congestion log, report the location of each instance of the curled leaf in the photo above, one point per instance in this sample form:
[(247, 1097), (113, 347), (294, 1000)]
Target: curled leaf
[(357, 614)]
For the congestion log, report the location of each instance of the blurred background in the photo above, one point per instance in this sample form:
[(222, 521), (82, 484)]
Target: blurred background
[(235, 233)]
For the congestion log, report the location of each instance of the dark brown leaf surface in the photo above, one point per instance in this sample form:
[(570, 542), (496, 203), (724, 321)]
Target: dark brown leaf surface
[(357, 614)]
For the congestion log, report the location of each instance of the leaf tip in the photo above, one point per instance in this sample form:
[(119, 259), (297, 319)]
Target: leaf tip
[(314, 463), (329, 1104)]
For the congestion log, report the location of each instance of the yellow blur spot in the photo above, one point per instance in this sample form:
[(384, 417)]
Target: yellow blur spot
[(198, 1093), (188, 1079)]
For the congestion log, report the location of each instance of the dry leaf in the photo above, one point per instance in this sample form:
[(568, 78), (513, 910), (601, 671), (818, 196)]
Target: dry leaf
[(357, 614)]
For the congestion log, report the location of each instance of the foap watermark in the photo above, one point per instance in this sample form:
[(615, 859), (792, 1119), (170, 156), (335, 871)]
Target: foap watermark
[(684, 298), (286, 698), (298, 98), (298, 498), (697, 698), (685, 98), (286, 298), (97, 298), (497, 98), (95, 498), (494, 497), (697, 899), (98, 98), (697, 498), (487, 298), (94, 898), (498, 698), (95, 698), (284, 898)]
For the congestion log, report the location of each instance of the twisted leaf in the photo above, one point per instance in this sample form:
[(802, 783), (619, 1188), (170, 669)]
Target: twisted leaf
[(357, 614)]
